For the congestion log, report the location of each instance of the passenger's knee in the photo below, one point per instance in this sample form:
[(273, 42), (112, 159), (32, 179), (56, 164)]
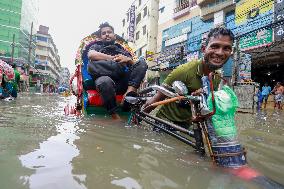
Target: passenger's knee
[(104, 82)]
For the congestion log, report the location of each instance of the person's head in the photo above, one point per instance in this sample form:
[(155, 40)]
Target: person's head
[(218, 47), (106, 32), (265, 84)]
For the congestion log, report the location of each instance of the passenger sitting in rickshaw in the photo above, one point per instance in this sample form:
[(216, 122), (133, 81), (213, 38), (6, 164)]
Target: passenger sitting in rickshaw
[(113, 69)]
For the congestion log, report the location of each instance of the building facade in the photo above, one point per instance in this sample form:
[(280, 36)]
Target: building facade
[(16, 18), (65, 77), (140, 27), (47, 63)]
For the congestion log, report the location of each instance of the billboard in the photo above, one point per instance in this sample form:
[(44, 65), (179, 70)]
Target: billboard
[(278, 17), (131, 28), (244, 67), (256, 39), (250, 9), (177, 30)]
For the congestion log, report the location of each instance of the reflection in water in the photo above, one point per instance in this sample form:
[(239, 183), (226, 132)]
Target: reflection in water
[(41, 148), (127, 183), (52, 161)]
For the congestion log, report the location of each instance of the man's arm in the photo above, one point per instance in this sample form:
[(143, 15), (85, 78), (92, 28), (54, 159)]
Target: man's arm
[(157, 97), (123, 59), (95, 55)]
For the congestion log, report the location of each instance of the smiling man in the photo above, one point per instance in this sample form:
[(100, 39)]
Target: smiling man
[(216, 52)]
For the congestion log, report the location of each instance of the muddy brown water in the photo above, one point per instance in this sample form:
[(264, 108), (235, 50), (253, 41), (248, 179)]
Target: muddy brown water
[(40, 147)]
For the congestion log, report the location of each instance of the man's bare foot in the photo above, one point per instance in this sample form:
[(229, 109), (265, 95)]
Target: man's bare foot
[(115, 116), (130, 89)]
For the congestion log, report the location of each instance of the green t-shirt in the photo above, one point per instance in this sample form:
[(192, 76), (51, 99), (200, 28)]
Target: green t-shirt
[(16, 80), (190, 74)]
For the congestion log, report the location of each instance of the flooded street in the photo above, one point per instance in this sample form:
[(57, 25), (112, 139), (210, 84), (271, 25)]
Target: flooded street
[(40, 147)]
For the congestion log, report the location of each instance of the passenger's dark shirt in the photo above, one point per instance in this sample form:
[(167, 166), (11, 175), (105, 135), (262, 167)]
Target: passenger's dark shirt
[(109, 49)]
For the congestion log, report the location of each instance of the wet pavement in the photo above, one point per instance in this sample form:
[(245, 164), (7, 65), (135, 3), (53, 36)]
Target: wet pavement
[(40, 147)]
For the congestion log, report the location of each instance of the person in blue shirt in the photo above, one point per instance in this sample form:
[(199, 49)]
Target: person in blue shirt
[(259, 97), (265, 93)]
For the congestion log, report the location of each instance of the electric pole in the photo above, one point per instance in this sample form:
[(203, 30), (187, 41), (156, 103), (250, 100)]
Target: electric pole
[(236, 61), (29, 55), (13, 50), (30, 44)]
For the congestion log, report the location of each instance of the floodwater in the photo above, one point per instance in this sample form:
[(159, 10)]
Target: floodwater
[(42, 148)]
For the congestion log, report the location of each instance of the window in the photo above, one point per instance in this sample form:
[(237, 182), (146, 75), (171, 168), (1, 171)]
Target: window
[(122, 35), (137, 35), (181, 2), (40, 38), (127, 15), (140, 1), (145, 12), (138, 18), (123, 22), (144, 30)]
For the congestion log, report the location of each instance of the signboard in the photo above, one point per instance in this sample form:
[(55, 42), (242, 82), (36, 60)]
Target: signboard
[(249, 9), (279, 16), (131, 28), (150, 55), (177, 30), (219, 18), (244, 67), (256, 39), (176, 40)]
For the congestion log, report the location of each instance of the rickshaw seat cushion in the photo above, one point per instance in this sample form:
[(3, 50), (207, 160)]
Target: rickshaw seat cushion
[(95, 99)]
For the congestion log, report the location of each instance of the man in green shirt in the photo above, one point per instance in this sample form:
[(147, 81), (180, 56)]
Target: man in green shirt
[(16, 81), (216, 52)]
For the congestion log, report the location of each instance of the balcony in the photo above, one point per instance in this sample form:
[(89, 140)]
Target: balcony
[(209, 9), (181, 10)]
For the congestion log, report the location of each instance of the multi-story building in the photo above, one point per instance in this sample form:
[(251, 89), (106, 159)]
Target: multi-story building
[(16, 18), (47, 62), (65, 77), (140, 26), (18, 21)]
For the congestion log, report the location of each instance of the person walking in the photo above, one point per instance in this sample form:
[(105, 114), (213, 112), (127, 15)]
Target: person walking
[(278, 91), (265, 93)]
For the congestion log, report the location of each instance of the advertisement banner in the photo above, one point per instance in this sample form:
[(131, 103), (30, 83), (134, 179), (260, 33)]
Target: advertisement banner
[(256, 39), (279, 16), (249, 9), (177, 30), (176, 40), (191, 56), (244, 67), (131, 28)]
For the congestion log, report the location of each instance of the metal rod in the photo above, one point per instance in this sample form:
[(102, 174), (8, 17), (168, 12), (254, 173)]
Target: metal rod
[(186, 131), (177, 136)]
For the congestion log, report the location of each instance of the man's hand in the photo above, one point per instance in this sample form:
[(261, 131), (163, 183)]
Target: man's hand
[(198, 92), (95, 55), (123, 59)]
